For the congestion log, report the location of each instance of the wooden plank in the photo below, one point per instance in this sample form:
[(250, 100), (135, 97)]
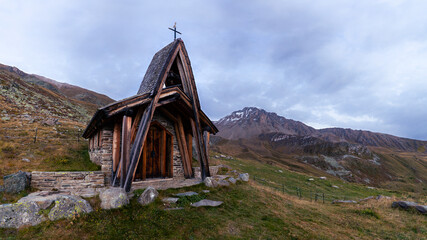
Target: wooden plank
[(146, 120), (183, 148), (127, 121), (116, 145), (207, 142), (190, 146), (144, 162), (135, 124), (163, 153)]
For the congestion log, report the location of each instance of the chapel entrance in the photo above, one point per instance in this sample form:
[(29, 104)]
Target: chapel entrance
[(157, 154)]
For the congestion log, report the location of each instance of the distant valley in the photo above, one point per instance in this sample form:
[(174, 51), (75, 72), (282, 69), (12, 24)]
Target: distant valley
[(354, 155)]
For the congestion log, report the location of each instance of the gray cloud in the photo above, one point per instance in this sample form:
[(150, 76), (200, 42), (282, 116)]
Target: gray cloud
[(357, 64)]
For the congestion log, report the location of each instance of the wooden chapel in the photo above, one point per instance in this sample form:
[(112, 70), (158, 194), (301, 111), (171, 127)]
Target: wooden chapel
[(154, 133)]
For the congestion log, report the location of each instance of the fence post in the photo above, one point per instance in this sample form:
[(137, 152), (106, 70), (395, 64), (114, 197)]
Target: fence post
[(35, 136)]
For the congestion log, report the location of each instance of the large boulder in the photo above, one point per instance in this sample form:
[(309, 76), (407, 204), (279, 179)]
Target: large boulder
[(206, 203), (404, 204), (43, 199), (16, 182), (148, 196), (244, 177), (68, 206), (20, 214), (210, 182), (113, 198)]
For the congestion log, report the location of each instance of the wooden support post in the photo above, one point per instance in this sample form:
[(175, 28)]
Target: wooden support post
[(126, 127), (116, 145), (190, 146), (207, 142), (163, 153), (182, 144)]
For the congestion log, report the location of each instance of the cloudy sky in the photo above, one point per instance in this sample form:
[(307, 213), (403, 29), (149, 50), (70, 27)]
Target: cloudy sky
[(358, 64)]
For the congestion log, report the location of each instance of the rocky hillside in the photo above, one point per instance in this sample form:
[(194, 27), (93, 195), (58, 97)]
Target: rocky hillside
[(250, 122), (64, 89), (353, 155)]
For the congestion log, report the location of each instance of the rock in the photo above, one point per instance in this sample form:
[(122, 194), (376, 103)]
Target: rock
[(370, 187), (280, 171), (170, 200), (113, 198), (206, 202), (422, 209), (16, 182), (232, 180), (335, 186), (26, 160), (223, 183), (343, 201), (404, 204), (68, 206), (379, 197), (322, 178), (244, 177), (43, 199), (20, 214), (366, 199), (148, 196), (186, 194), (210, 182), (206, 191)]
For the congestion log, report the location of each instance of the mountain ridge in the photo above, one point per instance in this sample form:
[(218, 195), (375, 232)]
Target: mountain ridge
[(250, 122), (65, 89)]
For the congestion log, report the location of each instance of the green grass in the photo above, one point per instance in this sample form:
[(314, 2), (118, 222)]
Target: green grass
[(75, 159), (289, 182)]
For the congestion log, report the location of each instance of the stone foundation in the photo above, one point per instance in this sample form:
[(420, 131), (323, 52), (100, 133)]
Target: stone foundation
[(67, 181)]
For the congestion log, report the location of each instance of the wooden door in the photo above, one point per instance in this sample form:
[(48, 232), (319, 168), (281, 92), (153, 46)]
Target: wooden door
[(157, 154)]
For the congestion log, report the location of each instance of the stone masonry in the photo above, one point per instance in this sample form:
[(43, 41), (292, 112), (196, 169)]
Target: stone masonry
[(67, 181), (103, 154)]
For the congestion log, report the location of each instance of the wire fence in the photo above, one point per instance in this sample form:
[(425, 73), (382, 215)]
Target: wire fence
[(316, 196)]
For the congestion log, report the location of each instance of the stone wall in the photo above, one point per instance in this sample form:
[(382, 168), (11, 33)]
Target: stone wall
[(67, 181), (102, 154)]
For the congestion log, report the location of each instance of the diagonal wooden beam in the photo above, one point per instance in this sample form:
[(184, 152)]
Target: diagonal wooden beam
[(144, 125)]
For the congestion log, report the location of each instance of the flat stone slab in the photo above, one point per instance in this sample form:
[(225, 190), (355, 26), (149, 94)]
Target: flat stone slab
[(343, 201), (170, 200), (404, 204), (43, 199), (184, 194), (206, 203)]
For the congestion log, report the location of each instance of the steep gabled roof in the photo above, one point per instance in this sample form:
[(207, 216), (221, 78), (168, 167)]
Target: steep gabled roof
[(157, 68)]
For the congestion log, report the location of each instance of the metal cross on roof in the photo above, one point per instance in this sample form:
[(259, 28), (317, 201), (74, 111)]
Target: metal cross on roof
[(174, 31)]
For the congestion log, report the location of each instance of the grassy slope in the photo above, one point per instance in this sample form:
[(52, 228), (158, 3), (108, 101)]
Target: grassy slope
[(250, 211)]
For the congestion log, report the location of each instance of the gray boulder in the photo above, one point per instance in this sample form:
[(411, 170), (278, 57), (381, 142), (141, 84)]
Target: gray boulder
[(232, 180), (113, 198), (185, 194), (206, 203), (244, 177), (68, 206), (210, 182), (170, 200), (20, 214), (404, 204), (16, 182), (148, 196), (343, 201), (422, 209), (43, 199)]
